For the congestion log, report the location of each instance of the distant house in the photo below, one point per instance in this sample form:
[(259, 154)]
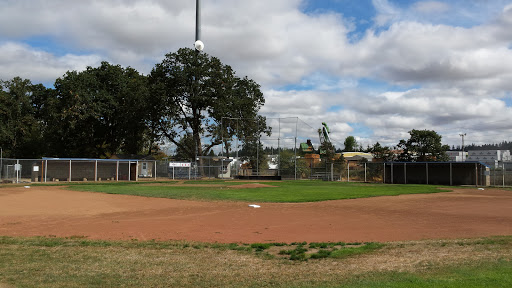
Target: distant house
[(357, 156)]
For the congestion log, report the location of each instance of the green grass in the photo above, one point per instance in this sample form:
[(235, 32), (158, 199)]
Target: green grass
[(284, 191), (338, 250), (79, 262), (488, 274)]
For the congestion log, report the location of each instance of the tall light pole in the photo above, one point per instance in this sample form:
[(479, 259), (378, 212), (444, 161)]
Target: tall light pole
[(463, 135), (199, 45)]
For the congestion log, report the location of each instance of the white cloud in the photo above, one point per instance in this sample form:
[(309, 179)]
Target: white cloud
[(29, 63), (434, 74), (386, 12)]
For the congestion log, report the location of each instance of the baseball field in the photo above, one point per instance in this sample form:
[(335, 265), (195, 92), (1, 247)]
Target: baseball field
[(209, 234)]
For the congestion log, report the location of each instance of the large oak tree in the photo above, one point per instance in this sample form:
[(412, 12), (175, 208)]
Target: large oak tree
[(198, 96), (99, 112), (20, 129)]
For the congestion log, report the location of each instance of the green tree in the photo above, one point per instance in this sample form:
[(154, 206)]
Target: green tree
[(20, 130), (339, 165), (181, 154), (381, 153), (327, 150), (99, 112), (197, 92), (287, 164), (423, 145), (252, 151), (350, 144)]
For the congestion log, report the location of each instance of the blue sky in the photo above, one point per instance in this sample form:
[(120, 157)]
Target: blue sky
[(373, 69)]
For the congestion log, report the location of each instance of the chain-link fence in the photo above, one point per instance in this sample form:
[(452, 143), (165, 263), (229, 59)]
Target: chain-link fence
[(294, 168), (357, 171), (437, 173), (55, 170), (274, 168), (13, 170), (218, 167), (59, 170), (501, 175)]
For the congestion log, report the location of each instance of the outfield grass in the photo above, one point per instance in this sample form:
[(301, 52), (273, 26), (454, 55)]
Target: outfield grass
[(284, 191), (484, 274), (55, 262)]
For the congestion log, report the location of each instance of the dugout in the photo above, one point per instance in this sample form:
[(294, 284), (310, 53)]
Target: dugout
[(437, 173), (84, 169)]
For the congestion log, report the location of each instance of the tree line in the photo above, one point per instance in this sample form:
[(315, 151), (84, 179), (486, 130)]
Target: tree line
[(504, 145), (109, 110), (422, 146)]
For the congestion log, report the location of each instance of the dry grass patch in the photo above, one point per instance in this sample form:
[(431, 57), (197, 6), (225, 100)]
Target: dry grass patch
[(415, 256), (83, 263)]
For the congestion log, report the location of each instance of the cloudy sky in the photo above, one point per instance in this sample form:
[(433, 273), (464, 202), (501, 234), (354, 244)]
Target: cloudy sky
[(373, 69)]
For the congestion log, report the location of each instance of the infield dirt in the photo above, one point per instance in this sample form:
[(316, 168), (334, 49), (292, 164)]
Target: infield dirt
[(54, 211)]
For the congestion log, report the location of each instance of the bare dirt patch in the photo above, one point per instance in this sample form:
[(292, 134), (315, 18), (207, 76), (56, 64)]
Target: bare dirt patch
[(46, 210)]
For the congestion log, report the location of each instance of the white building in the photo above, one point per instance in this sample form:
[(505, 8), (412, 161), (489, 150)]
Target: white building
[(489, 157), (457, 156)]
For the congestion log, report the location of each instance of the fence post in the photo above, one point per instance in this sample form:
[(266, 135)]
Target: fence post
[(490, 173), (155, 169), (69, 170), (451, 175), (17, 169), (405, 173), (295, 147), (384, 177), (278, 148), (295, 157), (95, 170), (364, 172), (476, 175), (310, 169), (258, 153), (426, 168), (117, 171), (348, 171), (392, 173), (45, 170), (503, 171)]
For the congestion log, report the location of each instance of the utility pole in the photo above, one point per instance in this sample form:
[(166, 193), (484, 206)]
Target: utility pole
[(463, 153)]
